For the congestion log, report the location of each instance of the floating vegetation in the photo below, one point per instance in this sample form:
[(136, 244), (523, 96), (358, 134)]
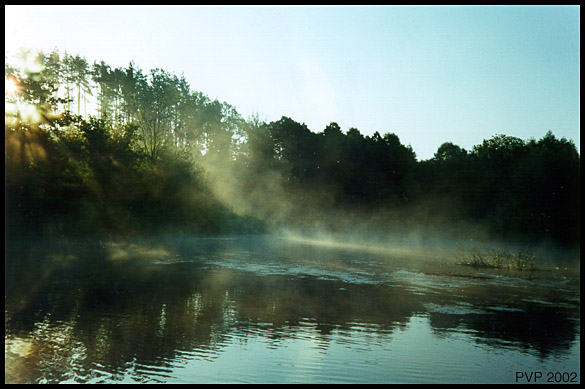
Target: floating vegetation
[(497, 259)]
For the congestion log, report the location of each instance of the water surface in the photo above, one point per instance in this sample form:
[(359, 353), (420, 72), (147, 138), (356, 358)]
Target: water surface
[(260, 310)]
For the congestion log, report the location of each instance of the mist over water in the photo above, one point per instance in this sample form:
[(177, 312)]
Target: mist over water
[(430, 226)]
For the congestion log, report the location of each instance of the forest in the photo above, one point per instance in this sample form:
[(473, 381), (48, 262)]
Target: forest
[(96, 150)]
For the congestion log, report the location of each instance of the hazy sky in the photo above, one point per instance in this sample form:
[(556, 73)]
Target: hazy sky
[(428, 74)]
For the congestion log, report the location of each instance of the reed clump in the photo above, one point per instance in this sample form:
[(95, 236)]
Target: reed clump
[(496, 259)]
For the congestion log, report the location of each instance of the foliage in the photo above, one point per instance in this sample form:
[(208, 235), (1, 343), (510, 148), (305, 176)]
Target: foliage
[(152, 155)]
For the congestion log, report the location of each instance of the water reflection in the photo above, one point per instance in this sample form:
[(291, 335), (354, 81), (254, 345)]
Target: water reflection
[(75, 314)]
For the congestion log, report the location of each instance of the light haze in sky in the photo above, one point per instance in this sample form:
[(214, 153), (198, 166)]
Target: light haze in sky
[(431, 75)]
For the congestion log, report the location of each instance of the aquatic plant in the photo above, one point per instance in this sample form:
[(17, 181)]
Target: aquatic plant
[(498, 259)]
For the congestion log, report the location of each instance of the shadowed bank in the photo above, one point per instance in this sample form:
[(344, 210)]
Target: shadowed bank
[(158, 157)]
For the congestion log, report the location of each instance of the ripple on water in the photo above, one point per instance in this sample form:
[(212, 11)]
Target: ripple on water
[(254, 316)]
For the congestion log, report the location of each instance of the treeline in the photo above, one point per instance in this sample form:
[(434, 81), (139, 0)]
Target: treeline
[(94, 149)]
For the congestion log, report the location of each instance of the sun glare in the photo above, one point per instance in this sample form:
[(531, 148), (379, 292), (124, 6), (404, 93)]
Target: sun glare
[(10, 86)]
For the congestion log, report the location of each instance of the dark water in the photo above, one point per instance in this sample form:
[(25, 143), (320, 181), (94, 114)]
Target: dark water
[(259, 310)]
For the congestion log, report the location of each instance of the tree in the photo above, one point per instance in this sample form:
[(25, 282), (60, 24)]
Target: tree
[(77, 74), (150, 101), (449, 151), (394, 164), (102, 76), (543, 190), (295, 147), (500, 149), (221, 128)]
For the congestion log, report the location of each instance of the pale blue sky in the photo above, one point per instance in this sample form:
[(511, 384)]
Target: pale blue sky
[(428, 74)]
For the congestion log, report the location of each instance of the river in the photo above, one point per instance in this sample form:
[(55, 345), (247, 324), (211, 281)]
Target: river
[(273, 310)]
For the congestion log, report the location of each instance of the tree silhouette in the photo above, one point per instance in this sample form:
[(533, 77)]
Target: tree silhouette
[(158, 155)]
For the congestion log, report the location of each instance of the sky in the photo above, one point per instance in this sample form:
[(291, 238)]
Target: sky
[(429, 74)]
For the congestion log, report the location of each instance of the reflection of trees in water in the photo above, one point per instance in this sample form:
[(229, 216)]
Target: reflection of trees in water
[(540, 320), (94, 318), (536, 328)]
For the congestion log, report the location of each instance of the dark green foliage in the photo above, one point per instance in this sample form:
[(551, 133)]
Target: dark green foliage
[(80, 176), (519, 190), (159, 157)]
